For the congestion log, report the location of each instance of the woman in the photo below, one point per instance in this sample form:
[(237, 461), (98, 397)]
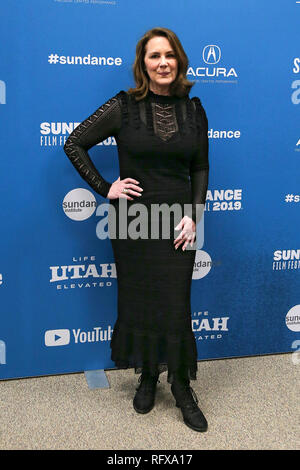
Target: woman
[(163, 156)]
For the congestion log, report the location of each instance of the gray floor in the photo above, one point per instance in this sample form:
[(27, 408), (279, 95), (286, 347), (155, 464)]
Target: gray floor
[(250, 403)]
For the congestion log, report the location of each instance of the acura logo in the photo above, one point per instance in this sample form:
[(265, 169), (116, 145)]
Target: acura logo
[(211, 54)]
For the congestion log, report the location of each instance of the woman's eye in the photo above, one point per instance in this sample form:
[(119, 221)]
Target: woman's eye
[(154, 56)]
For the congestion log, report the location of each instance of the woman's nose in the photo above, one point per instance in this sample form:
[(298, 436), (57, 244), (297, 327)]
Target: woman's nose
[(163, 61)]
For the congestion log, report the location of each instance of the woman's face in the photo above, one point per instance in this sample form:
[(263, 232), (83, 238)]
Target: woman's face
[(160, 63)]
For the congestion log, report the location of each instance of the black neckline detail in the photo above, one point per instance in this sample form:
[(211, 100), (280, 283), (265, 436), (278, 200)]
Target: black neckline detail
[(162, 98)]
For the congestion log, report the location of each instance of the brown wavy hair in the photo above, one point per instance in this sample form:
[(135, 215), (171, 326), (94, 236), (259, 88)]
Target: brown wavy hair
[(181, 86)]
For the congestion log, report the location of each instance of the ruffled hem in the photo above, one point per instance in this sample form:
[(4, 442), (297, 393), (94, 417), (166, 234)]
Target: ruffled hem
[(175, 353)]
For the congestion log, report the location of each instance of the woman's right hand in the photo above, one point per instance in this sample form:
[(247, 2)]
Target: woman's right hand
[(117, 187)]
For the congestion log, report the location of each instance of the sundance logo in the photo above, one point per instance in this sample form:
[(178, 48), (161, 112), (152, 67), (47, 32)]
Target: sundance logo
[(79, 204), (64, 337), (292, 318), (56, 133), (295, 97), (202, 264), (296, 62), (286, 259)]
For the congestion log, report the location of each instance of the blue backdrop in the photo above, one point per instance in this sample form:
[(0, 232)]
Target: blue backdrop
[(60, 60)]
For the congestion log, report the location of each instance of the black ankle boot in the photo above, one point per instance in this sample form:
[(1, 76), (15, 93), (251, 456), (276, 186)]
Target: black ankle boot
[(187, 400), (144, 398)]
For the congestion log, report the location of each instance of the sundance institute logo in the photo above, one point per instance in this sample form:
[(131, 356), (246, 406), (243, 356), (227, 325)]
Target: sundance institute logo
[(79, 204), (292, 319)]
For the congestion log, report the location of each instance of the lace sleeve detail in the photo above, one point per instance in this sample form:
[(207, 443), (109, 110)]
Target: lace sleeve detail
[(199, 168), (106, 121)]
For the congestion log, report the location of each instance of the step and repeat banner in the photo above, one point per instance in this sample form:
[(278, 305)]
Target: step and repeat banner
[(59, 61)]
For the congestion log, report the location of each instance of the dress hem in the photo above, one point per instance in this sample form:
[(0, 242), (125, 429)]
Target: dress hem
[(189, 374)]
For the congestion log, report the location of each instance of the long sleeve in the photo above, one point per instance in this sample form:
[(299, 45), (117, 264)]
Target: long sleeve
[(103, 123), (199, 168)]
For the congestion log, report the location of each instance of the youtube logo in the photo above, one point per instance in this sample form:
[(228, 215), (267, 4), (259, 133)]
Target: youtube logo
[(57, 337)]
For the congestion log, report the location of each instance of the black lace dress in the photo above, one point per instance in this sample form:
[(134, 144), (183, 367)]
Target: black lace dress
[(162, 142)]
